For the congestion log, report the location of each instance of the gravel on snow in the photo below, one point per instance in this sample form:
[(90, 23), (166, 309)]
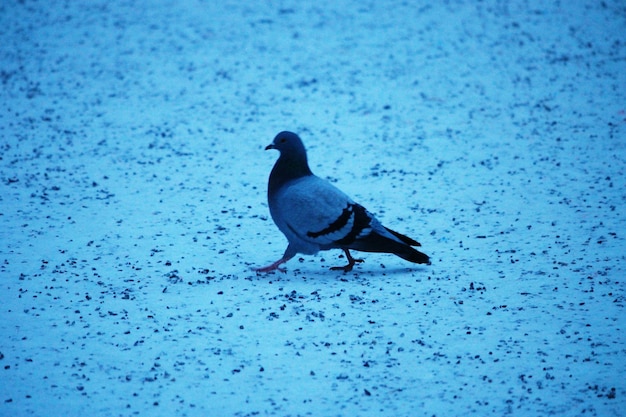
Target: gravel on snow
[(132, 207)]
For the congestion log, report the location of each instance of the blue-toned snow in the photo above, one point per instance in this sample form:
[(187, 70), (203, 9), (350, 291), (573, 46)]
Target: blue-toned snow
[(132, 208)]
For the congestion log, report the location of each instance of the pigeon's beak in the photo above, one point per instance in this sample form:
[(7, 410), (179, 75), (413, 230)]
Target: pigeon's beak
[(270, 146)]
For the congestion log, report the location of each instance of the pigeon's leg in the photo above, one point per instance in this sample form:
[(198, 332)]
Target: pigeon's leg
[(275, 266), (351, 262)]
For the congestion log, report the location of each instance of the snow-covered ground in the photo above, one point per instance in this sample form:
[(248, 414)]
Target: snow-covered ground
[(133, 207)]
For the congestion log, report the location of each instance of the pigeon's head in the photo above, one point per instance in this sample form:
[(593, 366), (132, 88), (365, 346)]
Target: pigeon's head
[(292, 162), (289, 145)]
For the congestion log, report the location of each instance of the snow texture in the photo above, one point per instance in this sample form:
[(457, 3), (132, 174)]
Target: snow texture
[(133, 207)]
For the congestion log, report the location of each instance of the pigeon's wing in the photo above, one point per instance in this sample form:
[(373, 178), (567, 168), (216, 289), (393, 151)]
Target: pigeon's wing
[(316, 212)]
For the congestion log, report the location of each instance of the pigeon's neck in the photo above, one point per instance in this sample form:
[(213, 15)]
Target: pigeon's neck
[(288, 169)]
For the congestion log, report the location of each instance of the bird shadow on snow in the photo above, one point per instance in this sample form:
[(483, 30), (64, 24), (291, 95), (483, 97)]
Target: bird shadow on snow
[(313, 270)]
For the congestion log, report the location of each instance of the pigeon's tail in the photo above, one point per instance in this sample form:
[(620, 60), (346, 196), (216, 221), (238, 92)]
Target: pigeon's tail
[(403, 238), (412, 255), (400, 246), (407, 252)]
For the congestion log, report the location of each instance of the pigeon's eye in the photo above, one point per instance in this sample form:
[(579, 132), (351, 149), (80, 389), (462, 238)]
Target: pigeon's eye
[(283, 140)]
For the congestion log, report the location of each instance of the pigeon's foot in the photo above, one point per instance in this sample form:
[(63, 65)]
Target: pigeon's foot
[(273, 267), (351, 262), (269, 268)]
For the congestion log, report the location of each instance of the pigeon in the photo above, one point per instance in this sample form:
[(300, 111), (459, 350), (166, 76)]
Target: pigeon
[(314, 215)]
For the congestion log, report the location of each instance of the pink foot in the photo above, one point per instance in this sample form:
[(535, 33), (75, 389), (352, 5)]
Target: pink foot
[(273, 267)]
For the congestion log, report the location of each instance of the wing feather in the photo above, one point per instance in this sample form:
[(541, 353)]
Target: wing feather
[(314, 210)]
